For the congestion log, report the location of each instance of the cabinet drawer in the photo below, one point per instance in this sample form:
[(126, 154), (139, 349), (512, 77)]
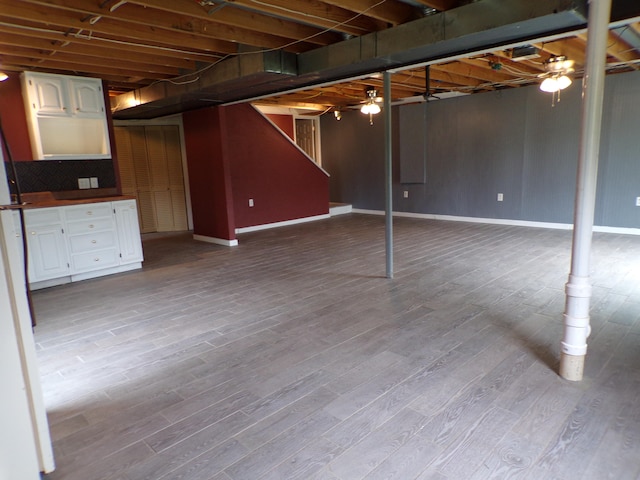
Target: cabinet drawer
[(89, 211), (89, 242), (84, 262), (91, 225), (42, 216)]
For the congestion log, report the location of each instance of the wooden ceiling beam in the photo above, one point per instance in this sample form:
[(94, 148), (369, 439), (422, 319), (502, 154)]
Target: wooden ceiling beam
[(440, 5), (104, 71), (470, 69), (83, 51), (152, 18), (141, 34), (618, 48), (45, 56), (315, 13), (567, 48), (523, 67), (239, 17), (393, 13), (59, 34)]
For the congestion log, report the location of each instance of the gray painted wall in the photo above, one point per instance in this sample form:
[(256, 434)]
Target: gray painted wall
[(511, 142)]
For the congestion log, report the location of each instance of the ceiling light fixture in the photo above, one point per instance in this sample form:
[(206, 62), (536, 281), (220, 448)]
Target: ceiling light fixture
[(371, 108), (556, 77), (3, 76), (337, 114)]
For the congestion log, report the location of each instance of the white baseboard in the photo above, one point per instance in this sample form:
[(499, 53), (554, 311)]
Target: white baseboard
[(217, 241), (502, 221), (339, 210), (285, 223)]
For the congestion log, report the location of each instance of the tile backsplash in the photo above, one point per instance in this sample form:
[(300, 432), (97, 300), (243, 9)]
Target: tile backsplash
[(60, 175)]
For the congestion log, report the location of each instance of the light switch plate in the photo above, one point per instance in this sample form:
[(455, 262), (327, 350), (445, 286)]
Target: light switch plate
[(84, 183), (94, 182)]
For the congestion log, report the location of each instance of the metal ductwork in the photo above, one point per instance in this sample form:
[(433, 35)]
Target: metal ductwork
[(471, 28)]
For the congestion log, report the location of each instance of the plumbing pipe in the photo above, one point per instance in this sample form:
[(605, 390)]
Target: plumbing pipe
[(578, 287)]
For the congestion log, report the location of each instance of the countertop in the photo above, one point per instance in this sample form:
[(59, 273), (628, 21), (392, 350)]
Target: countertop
[(60, 199)]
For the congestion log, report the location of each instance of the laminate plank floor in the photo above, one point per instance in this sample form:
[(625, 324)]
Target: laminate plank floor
[(290, 356)]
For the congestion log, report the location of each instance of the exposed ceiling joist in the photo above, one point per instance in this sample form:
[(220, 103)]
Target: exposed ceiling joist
[(187, 51)]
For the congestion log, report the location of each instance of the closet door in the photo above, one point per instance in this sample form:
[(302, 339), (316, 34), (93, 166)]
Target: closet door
[(150, 164), (135, 178), (167, 180)]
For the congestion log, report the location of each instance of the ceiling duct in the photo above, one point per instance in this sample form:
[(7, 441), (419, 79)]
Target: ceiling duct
[(471, 28)]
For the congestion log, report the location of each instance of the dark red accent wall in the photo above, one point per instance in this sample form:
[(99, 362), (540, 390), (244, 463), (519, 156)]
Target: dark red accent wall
[(209, 176), (235, 154), (14, 119), (284, 123), (268, 168)]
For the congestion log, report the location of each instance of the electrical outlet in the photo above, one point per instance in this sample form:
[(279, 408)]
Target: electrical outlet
[(405, 194), (94, 182), (251, 202), (83, 183), (500, 197), (637, 201)]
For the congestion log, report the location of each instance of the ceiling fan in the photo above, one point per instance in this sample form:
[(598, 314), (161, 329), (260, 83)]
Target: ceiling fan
[(556, 76)]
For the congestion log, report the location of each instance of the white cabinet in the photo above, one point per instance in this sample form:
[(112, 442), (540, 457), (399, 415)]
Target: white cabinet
[(77, 242), (46, 244), (87, 97), (48, 94), (128, 231), (66, 116), (91, 237)]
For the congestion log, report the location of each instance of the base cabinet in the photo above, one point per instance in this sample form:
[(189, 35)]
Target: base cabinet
[(46, 244), (77, 242), (128, 230)]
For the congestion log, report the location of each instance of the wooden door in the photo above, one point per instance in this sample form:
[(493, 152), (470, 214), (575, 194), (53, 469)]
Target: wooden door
[(305, 136), (150, 162)]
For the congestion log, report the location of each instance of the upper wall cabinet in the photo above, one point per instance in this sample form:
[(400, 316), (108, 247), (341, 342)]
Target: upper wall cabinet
[(67, 117)]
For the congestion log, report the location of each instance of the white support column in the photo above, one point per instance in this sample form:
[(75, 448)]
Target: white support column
[(578, 287)]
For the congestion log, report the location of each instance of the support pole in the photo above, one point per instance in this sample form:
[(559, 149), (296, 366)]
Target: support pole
[(578, 287), (388, 184)]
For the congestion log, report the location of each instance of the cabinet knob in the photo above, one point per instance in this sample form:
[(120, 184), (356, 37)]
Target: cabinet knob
[(89, 212), (33, 233), (91, 226), (93, 241), (96, 259)]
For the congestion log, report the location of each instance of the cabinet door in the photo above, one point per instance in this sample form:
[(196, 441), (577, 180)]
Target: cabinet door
[(47, 252), (128, 231), (87, 97), (49, 95)]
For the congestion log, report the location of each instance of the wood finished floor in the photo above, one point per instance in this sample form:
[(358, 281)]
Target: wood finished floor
[(291, 357)]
